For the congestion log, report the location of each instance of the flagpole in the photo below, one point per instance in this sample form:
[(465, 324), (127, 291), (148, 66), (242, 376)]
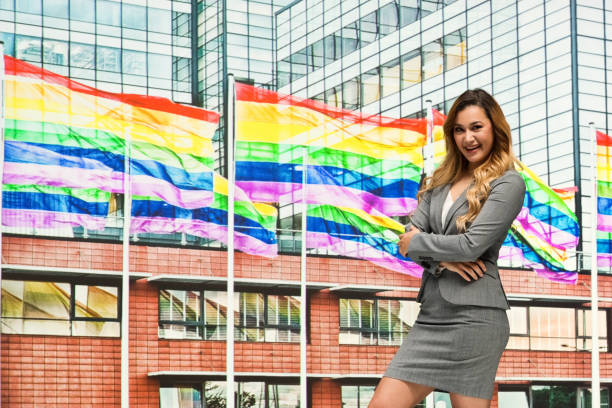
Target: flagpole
[(231, 176), (428, 150), (1, 161), (595, 382), (125, 276), (303, 326)]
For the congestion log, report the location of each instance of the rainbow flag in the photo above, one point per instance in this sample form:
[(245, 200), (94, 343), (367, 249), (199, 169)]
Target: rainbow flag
[(515, 249), (438, 137), (355, 233), (604, 200), (43, 207), (255, 223), (61, 133), (375, 158)]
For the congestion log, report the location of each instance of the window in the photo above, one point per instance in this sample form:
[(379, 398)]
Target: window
[(82, 55), (28, 6), (549, 396), (55, 8), (432, 59), (455, 50), (376, 321), (213, 394), (187, 314), (134, 62), (371, 86), (202, 314), (59, 308), (134, 16), (411, 68), (28, 48), (263, 317), (82, 10), (55, 52), (409, 11), (108, 59), (388, 18), (554, 328), (159, 20), (369, 28), (350, 38), (108, 12), (390, 77), (351, 94), (159, 66), (357, 396)]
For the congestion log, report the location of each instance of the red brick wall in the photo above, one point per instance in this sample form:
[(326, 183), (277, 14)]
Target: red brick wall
[(45, 371), (54, 371)]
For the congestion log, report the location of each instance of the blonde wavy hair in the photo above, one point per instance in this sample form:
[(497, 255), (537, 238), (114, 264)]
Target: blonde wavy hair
[(454, 165)]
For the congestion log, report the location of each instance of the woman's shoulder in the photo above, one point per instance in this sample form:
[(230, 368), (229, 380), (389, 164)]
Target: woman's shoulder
[(511, 176)]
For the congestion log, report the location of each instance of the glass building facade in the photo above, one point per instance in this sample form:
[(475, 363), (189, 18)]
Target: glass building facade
[(118, 46), (545, 62)]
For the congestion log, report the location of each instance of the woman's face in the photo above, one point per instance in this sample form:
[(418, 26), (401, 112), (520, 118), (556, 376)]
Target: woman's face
[(473, 134)]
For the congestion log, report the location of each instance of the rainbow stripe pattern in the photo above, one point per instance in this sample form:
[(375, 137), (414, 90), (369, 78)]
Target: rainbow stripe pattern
[(62, 133), (357, 233), (604, 200), (41, 207), (375, 158), (254, 223)]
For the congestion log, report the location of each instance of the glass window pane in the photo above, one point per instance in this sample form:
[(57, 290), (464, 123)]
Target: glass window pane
[(557, 396), (160, 66), (56, 8), (98, 329), (409, 11), (214, 394), (432, 59), (160, 20), (134, 62), (350, 38), (180, 397), (389, 18), (108, 59), (411, 68), (55, 52), (134, 16), (371, 86), (455, 50), (96, 301), (28, 48), (369, 28), (28, 6), (82, 55), (390, 77), (251, 394), (283, 396), (6, 4), (552, 328), (350, 94), (108, 12), (513, 399), (46, 300), (82, 10)]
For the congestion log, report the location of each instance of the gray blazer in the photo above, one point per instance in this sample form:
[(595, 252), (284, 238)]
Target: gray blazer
[(482, 240)]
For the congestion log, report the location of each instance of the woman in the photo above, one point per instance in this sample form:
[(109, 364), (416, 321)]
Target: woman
[(465, 211)]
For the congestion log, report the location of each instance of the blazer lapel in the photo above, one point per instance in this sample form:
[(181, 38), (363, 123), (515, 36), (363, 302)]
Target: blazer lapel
[(437, 201)]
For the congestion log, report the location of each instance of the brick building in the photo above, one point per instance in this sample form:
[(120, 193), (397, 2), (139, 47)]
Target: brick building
[(75, 370)]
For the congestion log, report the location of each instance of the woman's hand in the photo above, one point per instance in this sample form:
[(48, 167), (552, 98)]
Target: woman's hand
[(405, 238), (466, 270)]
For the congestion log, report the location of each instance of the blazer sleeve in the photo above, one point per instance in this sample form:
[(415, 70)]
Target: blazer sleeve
[(490, 225), (420, 219)]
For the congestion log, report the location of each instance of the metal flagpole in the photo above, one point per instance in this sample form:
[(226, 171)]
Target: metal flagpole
[(428, 150), (428, 167), (125, 276), (1, 158), (303, 325), (595, 383), (231, 127)]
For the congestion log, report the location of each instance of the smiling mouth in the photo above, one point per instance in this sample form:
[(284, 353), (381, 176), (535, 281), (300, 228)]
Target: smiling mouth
[(471, 149)]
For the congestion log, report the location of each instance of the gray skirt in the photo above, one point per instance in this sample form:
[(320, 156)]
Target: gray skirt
[(453, 348)]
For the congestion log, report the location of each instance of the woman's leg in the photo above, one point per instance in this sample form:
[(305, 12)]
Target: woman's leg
[(462, 401), (393, 393)]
